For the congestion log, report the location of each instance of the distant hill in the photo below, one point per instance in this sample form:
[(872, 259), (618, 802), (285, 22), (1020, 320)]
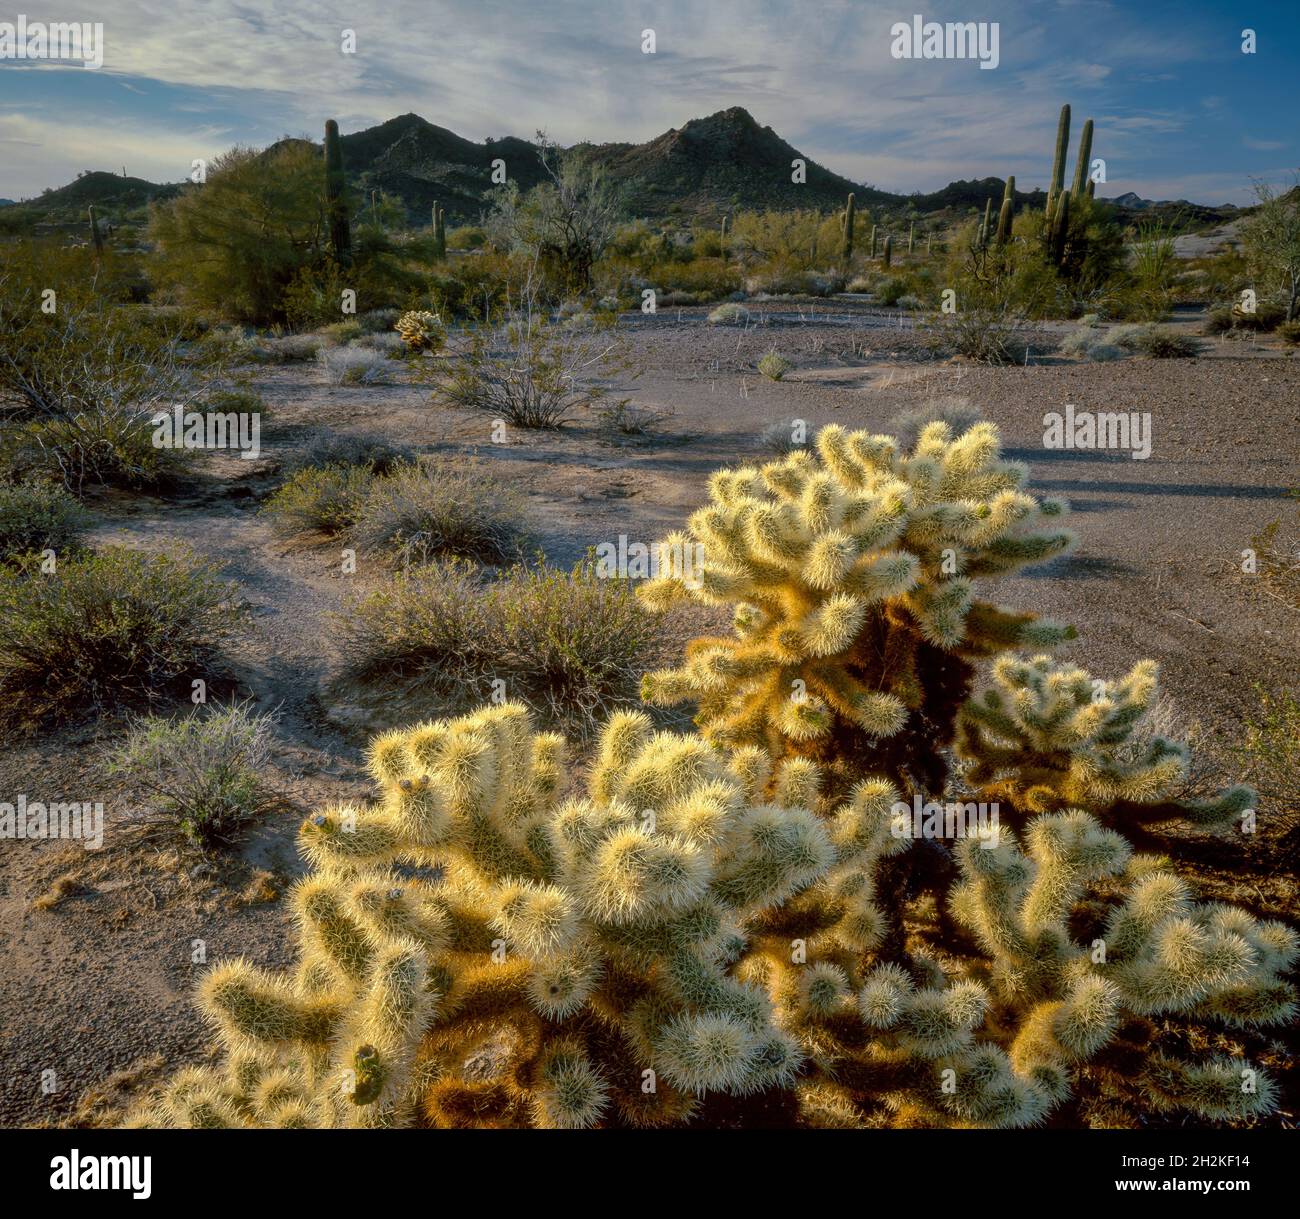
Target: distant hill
[(706, 168), (112, 194)]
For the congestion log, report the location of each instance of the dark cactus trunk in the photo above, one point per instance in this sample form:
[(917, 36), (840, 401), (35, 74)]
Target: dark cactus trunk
[(1081, 166), (336, 197)]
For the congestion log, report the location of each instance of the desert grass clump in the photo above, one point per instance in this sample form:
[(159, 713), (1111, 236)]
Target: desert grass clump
[(35, 517), (205, 772), (325, 500), (960, 414), (729, 314), (107, 628), (1090, 343), (1159, 342), (774, 365), (567, 643), (326, 447), (784, 436), (626, 418), (284, 349), (419, 511), (350, 366)]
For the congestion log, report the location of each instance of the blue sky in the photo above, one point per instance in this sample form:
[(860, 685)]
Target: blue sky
[(1180, 111)]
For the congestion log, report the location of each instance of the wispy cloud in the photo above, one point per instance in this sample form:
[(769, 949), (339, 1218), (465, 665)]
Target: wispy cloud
[(819, 72)]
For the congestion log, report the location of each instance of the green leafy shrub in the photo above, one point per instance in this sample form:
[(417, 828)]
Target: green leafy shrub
[(319, 500), (107, 628), (1159, 342), (1289, 333), (773, 365), (207, 771), (437, 508), (36, 517)]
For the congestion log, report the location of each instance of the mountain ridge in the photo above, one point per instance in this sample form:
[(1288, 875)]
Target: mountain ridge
[(708, 167)]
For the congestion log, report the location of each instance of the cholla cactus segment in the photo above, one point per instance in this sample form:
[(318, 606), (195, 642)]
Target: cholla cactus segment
[(1047, 736), (421, 330), (852, 571), (479, 946), (1158, 953)]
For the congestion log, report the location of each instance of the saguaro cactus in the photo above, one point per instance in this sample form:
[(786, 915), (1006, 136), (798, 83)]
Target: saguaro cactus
[(336, 196), (986, 225), (911, 236), (1058, 161), (874, 229), (722, 239), (849, 209), (889, 249), (96, 237), (1005, 212), (1081, 167), (439, 231)]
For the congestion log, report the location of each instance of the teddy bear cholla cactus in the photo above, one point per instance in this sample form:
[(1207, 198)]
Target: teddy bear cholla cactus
[(1048, 736), (566, 947), (421, 330), (1155, 952), (1001, 1039), (852, 573)]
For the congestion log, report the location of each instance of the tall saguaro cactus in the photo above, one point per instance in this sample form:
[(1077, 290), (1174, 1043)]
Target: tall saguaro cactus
[(439, 230), (1004, 213), (889, 250), (911, 236), (849, 210), (96, 237), (874, 230), (722, 240), (336, 197), (1081, 166), (1058, 162)]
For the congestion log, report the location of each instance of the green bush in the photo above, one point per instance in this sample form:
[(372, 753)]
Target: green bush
[(1289, 333), (207, 772), (773, 365), (1159, 342), (36, 517), (437, 508), (319, 500), (107, 628)]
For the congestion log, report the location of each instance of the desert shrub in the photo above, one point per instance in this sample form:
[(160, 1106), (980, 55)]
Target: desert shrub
[(1219, 320), (351, 366), (525, 369), (319, 500), (784, 436), (959, 414), (891, 289), (389, 345), (110, 448), (730, 314), (1268, 754), (1271, 241), (471, 287), (36, 517), (283, 349), (773, 365), (340, 334), (1289, 333), (106, 628), (625, 418), (989, 327), (330, 448), (436, 508), (237, 401), (703, 279), (1156, 341), (566, 643), (379, 321), (1090, 343), (206, 772)]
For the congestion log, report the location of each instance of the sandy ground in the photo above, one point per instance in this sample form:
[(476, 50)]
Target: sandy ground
[(101, 983)]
